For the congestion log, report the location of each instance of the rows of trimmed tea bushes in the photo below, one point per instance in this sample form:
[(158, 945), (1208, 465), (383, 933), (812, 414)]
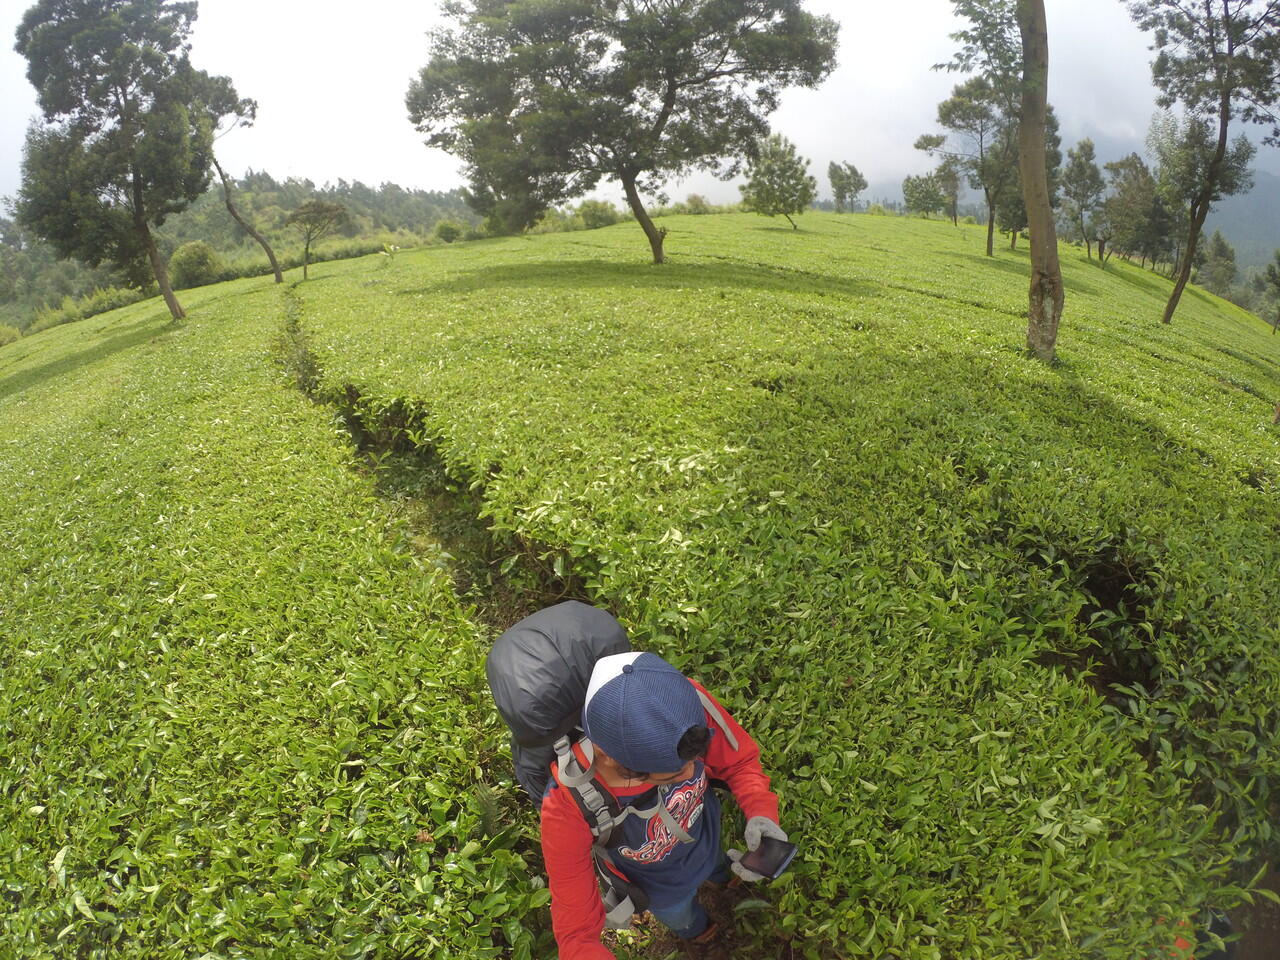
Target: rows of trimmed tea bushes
[(240, 717), (817, 472)]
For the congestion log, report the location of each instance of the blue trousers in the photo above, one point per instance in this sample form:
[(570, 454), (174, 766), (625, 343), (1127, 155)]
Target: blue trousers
[(687, 919)]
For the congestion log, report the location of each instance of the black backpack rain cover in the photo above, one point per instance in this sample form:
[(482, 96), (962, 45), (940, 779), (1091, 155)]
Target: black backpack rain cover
[(539, 671)]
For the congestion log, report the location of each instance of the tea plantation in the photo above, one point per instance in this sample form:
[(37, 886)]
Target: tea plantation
[(1008, 634)]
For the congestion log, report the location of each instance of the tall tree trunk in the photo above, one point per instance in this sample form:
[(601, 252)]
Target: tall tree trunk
[(158, 266), (1013, 239), (248, 228), (991, 225), (306, 256), (655, 235), (1046, 296), (1084, 232)]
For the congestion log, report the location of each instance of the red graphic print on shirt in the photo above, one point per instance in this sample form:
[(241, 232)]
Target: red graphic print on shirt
[(685, 804)]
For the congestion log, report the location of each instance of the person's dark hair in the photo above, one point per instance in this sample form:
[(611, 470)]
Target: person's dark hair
[(694, 744)]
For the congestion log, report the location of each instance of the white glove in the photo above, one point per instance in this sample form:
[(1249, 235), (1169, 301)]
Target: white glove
[(757, 829)]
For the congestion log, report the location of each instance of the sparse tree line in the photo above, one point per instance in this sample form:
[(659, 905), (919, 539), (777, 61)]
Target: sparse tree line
[(543, 100), (38, 288)]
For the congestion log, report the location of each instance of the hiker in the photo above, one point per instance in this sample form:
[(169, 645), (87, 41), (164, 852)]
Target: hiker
[(627, 809)]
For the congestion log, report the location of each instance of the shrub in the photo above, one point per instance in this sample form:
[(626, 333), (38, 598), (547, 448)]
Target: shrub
[(877, 210), (448, 231), (100, 301), (598, 213), (8, 334), (698, 205), (194, 264)]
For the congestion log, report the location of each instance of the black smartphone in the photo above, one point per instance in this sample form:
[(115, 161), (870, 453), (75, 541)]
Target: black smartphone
[(771, 858)]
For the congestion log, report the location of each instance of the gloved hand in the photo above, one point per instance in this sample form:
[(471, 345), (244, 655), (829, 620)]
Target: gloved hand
[(757, 829)]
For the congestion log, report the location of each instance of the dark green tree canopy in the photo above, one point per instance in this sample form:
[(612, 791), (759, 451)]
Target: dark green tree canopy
[(543, 98), (1211, 54), (128, 133)]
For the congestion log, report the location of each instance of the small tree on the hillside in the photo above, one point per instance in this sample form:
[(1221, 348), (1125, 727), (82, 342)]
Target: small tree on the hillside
[(541, 99), (778, 181), (950, 180), (1273, 282), (127, 139), (315, 220), (1219, 271), (1083, 187), (1130, 204), (982, 113), (1011, 207), (241, 113), (846, 183), (1183, 147), (1219, 61), (979, 141), (923, 195)]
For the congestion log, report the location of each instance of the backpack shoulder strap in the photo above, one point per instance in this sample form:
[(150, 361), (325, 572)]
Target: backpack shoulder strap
[(718, 718)]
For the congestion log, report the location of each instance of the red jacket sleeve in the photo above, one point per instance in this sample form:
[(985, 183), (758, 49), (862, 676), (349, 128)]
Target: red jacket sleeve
[(740, 768), (577, 913)]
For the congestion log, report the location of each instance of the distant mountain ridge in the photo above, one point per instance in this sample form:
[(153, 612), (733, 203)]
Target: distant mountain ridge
[(1251, 221)]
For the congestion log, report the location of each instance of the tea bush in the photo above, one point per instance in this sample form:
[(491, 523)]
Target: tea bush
[(71, 309), (1006, 632), (8, 334), (195, 264), (240, 716)]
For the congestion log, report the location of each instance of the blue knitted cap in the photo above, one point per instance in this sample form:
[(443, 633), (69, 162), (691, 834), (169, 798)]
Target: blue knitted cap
[(638, 707)]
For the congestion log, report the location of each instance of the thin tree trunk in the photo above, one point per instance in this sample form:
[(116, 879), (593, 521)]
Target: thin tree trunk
[(655, 235), (1047, 297), (1013, 239), (1084, 232), (158, 266), (248, 228), (991, 226), (306, 256)]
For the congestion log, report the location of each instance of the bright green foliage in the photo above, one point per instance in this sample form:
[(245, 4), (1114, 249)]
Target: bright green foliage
[(778, 181), (241, 716), (601, 213), (8, 334), (835, 490), (914, 562), (194, 264), (924, 195), (447, 231), (543, 98)]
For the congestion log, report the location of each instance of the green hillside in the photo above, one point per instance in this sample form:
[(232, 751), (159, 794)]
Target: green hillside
[(1007, 633)]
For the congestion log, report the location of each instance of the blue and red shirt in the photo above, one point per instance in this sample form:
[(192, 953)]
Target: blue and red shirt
[(650, 856)]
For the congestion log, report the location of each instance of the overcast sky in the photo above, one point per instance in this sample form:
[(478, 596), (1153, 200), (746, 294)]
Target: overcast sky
[(330, 88)]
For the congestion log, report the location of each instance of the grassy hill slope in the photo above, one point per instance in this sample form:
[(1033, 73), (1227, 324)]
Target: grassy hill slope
[(1006, 632)]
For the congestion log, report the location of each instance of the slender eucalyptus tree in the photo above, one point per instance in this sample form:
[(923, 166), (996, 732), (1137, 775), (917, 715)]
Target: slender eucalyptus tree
[(1220, 60)]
